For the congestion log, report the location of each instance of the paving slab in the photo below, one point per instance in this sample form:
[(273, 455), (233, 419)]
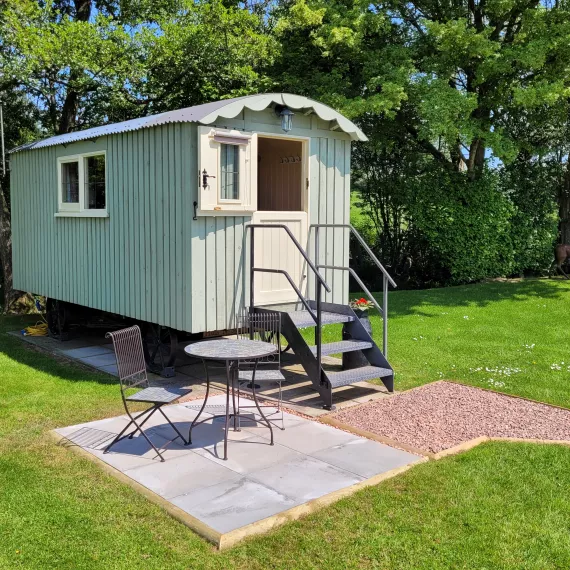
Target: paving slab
[(109, 369), (305, 478), (365, 457), (309, 437), (233, 504), (257, 488), (99, 360), (183, 476), (87, 351)]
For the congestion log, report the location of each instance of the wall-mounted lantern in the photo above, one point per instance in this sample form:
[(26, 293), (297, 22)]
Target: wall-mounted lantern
[(286, 116)]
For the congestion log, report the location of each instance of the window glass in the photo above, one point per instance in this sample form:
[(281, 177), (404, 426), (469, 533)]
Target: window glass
[(229, 183), (95, 182), (70, 182)]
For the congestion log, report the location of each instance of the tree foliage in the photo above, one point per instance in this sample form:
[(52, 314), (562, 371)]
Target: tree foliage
[(466, 104)]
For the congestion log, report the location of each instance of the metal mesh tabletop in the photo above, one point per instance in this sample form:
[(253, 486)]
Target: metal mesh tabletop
[(230, 349)]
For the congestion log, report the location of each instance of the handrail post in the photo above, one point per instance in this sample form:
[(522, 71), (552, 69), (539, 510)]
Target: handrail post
[(251, 269), (385, 316), (318, 329), (318, 332), (316, 257)]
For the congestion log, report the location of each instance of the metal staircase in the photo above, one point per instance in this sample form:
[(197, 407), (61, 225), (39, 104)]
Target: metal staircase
[(317, 313)]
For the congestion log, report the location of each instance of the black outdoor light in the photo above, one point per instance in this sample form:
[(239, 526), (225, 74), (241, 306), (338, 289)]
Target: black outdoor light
[(286, 117)]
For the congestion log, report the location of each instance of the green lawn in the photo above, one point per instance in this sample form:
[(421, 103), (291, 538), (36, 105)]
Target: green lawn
[(511, 336), (497, 506)]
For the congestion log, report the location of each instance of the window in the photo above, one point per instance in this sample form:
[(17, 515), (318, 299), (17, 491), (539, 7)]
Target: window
[(82, 185), (228, 171), (229, 167), (95, 182), (70, 183)]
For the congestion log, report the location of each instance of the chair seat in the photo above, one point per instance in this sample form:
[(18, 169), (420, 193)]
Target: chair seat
[(155, 395), (262, 375)]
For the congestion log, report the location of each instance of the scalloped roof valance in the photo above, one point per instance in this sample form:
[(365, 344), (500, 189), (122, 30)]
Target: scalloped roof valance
[(207, 114)]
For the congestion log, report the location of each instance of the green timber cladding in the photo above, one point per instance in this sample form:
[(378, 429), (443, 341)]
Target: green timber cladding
[(149, 259)]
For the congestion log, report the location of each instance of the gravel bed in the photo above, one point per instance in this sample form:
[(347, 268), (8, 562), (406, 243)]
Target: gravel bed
[(441, 415)]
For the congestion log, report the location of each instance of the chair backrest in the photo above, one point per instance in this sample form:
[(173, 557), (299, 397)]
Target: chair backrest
[(130, 357), (264, 326)]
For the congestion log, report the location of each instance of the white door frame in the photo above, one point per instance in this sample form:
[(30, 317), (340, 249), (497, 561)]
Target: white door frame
[(290, 295)]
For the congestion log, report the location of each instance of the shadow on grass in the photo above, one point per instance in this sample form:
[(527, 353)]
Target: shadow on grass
[(42, 359), (410, 302)]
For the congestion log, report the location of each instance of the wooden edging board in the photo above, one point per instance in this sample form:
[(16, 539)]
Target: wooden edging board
[(229, 539)]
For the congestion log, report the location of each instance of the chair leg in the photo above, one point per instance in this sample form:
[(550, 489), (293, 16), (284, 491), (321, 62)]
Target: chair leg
[(267, 422), (137, 428), (152, 445), (280, 407), (120, 436), (172, 425)]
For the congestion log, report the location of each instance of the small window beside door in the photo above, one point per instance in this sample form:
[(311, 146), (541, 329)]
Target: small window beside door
[(228, 172), (82, 185)]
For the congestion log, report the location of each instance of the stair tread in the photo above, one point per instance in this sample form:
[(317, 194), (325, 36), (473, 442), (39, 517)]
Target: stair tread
[(342, 346), (346, 377), (303, 319)]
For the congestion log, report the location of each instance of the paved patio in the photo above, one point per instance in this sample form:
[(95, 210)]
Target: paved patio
[(93, 350), (259, 487)]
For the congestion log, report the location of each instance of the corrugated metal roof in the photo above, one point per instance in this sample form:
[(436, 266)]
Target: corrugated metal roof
[(206, 114)]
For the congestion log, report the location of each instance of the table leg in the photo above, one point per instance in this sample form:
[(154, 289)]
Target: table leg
[(228, 381), (235, 381), (203, 405)]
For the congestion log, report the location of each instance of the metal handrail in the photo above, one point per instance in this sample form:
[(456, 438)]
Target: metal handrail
[(292, 283), (362, 243), (359, 281), (386, 278), (298, 246), (319, 278)]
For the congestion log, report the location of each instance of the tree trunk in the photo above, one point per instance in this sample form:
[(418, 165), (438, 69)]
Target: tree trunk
[(564, 208), (9, 295), (69, 110), (71, 103)]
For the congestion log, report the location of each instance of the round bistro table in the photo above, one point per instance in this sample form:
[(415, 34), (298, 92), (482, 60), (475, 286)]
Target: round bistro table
[(230, 351)]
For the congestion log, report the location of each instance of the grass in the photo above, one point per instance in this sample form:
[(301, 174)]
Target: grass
[(497, 506), (509, 336)]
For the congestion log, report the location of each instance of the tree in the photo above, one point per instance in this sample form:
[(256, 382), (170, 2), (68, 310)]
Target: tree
[(74, 64), (447, 74), (477, 62), (19, 126), (67, 56)]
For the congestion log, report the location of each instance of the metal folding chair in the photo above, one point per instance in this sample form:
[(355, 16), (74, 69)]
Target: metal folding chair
[(264, 326), (132, 375)]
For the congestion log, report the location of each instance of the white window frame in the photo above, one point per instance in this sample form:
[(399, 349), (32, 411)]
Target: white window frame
[(210, 202), (242, 165), (79, 210)]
